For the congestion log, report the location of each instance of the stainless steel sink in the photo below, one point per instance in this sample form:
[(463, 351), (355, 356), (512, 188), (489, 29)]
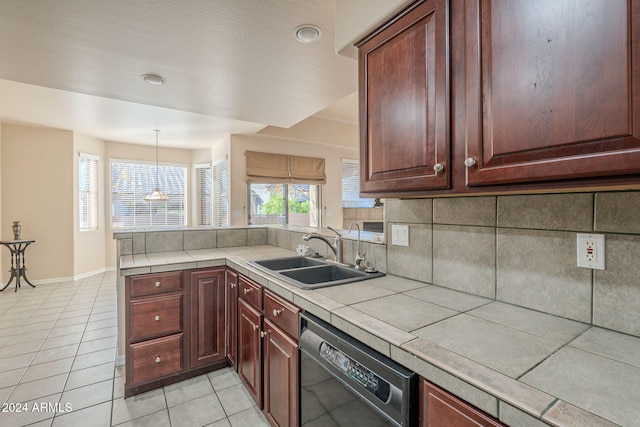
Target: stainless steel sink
[(312, 273)]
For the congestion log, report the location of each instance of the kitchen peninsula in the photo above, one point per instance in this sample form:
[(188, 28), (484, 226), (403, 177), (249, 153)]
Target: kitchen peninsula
[(521, 366)]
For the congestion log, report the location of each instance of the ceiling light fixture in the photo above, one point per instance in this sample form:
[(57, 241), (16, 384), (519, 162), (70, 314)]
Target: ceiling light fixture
[(156, 195), (153, 79), (307, 33)]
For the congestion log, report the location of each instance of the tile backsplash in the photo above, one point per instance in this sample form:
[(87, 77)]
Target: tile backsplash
[(518, 249), (521, 249)]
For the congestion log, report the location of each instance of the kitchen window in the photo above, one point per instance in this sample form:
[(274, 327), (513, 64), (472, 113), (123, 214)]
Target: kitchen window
[(88, 191), (296, 204), (220, 186), (351, 186), (132, 181), (203, 187)]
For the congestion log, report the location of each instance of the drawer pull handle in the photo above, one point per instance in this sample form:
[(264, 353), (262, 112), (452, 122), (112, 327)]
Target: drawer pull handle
[(157, 284), (255, 327), (277, 311), (158, 359), (247, 290), (263, 334), (157, 318)]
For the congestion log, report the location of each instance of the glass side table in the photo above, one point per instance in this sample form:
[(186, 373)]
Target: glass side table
[(17, 248)]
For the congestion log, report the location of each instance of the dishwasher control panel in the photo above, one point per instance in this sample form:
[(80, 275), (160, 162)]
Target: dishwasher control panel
[(356, 371)]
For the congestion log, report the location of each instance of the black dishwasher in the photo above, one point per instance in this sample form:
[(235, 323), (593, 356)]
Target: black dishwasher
[(345, 383)]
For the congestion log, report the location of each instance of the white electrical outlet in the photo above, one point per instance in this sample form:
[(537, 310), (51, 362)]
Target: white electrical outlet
[(590, 251), (399, 235)]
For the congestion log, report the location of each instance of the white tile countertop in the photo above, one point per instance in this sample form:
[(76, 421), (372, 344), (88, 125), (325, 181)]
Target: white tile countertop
[(524, 367)]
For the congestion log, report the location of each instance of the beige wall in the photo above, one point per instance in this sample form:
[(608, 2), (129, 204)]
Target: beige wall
[(39, 186), (89, 256), (37, 189), (333, 155)]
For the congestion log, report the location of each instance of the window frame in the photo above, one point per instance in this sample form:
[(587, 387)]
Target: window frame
[(152, 173), (285, 191)]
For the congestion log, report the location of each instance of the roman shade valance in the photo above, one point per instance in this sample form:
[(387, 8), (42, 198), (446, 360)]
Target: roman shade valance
[(270, 168)]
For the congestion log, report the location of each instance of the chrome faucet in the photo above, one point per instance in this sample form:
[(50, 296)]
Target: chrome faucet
[(360, 255), (336, 246)]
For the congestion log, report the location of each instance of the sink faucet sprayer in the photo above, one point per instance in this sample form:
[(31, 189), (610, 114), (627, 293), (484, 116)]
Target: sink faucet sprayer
[(336, 246)]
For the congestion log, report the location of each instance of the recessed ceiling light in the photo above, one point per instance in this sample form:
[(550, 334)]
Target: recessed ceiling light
[(153, 79), (307, 33)]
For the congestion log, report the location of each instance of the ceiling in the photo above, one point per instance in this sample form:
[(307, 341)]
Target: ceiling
[(231, 66)]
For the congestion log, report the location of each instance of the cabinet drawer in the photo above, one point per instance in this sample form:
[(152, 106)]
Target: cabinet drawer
[(156, 358), (150, 284), (250, 292), (281, 313), (152, 317)]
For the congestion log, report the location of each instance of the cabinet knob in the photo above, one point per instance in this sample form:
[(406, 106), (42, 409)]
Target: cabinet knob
[(247, 290), (438, 167), (255, 327), (158, 359), (277, 311), (157, 284), (263, 334), (469, 162), (233, 285), (157, 318)]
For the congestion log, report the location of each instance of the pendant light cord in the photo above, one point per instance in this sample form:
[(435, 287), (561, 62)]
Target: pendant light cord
[(157, 173)]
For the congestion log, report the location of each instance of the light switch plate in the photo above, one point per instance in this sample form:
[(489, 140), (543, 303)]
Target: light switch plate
[(400, 235)]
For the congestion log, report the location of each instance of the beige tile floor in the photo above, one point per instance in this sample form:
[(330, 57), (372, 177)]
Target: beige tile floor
[(57, 367)]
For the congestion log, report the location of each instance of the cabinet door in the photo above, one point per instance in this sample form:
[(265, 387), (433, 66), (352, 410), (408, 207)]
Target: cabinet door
[(552, 89), (250, 350), (404, 102), (440, 408), (280, 369), (232, 317), (207, 335)]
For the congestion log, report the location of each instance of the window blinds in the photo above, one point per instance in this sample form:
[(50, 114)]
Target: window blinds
[(130, 182), (88, 191), (220, 185), (351, 186), (203, 188), (270, 168)]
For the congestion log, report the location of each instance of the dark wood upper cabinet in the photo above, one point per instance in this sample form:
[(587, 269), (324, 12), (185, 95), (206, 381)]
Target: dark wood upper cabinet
[(207, 290), (404, 102), (501, 95), (552, 89)]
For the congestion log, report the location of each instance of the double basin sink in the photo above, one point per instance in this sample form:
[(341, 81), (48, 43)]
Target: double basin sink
[(312, 273)]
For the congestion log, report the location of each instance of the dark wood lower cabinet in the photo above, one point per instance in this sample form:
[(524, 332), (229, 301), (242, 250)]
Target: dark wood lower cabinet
[(175, 327), (207, 331), (232, 317), (280, 367), (250, 349), (439, 408), (228, 319)]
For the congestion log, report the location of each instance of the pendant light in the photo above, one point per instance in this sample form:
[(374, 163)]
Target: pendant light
[(156, 195)]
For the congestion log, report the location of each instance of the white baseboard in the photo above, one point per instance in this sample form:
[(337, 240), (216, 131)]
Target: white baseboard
[(119, 360), (71, 279)]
